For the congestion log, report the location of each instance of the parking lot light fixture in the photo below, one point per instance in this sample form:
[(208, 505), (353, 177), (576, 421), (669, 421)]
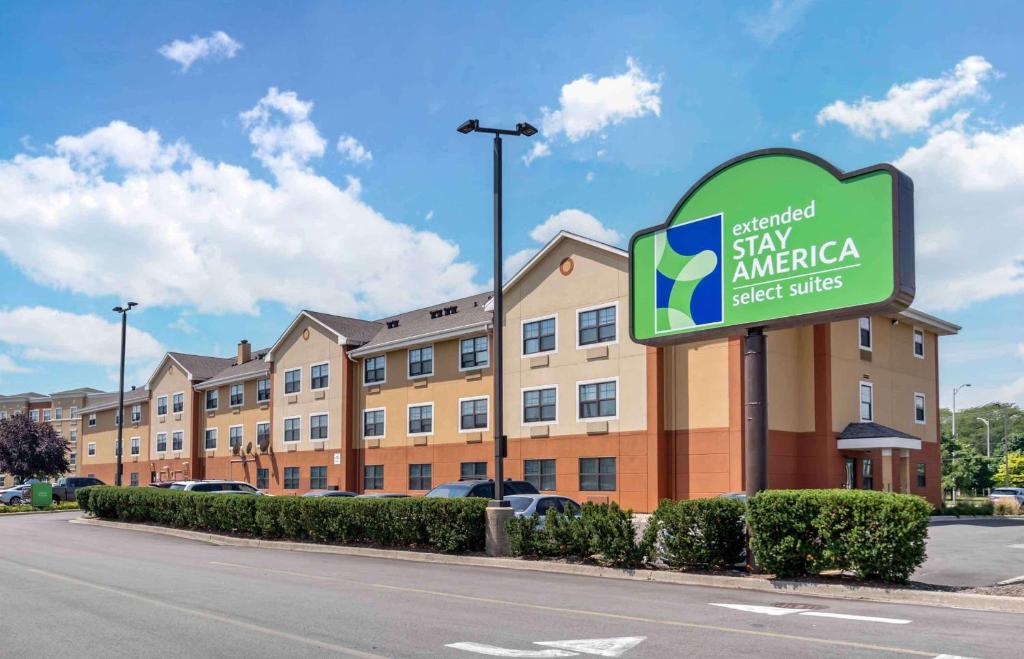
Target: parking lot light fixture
[(119, 446)]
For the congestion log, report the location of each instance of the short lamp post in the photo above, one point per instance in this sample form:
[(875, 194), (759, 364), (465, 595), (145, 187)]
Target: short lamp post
[(119, 447)]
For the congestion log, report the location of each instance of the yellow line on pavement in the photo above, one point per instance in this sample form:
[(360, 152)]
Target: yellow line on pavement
[(597, 614)]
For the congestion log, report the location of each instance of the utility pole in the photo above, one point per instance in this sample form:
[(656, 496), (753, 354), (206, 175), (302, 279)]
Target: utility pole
[(119, 447), (988, 437), (955, 390)]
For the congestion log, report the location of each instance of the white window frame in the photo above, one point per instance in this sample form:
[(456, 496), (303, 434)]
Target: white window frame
[(206, 400), (522, 405), (913, 342), (522, 336), (408, 362), (284, 382), (478, 367), (182, 394), (259, 425), (73, 412), (924, 408), (182, 434), (206, 436), (383, 356), (284, 429), (166, 406), (34, 415), (232, 386), (91, 421), (157, 448), (871, 334), (362, 422), (860, 402), (90, 448), (311, 366), (58, 413), (433, 418), (134, 407), (320, 439), (270, 391), (47, 414), (241, 443), (595, 307), (458, 409), (598, 419), (135, 445)]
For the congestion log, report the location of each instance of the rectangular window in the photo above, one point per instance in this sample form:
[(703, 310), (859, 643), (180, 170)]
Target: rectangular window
[(178, 403), (263, 390), (373, 423), (91, 449), (74, 412), (262, 478), (136, 445), (134, 479), (318, 478), (540, 474), (47, 414), (597, 474), (74, 435), (136, 413), (864, 333), (867, 408), (373, 477), (539, 405), (374, 369), (597, 400), (922, 479), (420, 477), (119, 447), (318, 376), (91, 421), (867, 474), (918, 408), (473, 414), (473, 353), (211, 439), (291, 478), (472, 471), (177, 440), (919, 344), (73, 458), (421, 419), (235, 437), (539, 336), (58, 413), (161, 442), (421, 362), (596, 326), (34, 415), (161, 405), (236, 395), (262, 433), (293, 429), (293, 381), (318, 427)]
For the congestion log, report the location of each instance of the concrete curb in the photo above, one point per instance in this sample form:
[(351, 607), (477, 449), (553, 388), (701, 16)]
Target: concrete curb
[(835, 591), (953, 518)]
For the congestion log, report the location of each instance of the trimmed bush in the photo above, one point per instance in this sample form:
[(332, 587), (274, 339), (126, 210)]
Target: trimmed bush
[(966, 508), (29, 508), (603, 531), (82, 497), (875, 535), (448, 525), (703, 533)]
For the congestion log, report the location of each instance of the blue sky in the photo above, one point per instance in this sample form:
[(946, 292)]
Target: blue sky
[(127, 171)]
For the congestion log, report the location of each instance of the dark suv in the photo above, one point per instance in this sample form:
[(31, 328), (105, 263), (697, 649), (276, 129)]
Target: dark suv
[(66, 488), (481, 488)]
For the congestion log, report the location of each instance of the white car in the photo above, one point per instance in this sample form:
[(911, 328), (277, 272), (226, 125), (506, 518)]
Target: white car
[(1007, 494), (240, 487), (16, 495), (526, 505)]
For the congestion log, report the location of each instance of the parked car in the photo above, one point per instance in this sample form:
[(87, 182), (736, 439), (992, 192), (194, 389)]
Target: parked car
[(66, 488), (1007, 494), (163, 485), (480, 488), (739, 496), (329, 493), (526, 505), (380, 495), (213, 486), (16, 495), (245, 493)]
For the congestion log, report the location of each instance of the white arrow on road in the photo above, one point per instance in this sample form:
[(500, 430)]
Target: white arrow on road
[(601, 647), (780, 611)]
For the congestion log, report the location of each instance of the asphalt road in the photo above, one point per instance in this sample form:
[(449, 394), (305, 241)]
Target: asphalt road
[(973, 552), (73, 590)]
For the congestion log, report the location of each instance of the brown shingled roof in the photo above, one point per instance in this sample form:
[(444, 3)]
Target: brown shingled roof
[(201, 367), (359, 331), (437, 318)]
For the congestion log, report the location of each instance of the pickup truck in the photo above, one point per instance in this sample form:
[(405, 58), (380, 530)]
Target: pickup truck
[(66, 487)]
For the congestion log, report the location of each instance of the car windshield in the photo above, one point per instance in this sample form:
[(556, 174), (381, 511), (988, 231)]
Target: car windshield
[(178, 486), (1004, 490), (519, 504), (452, 490)]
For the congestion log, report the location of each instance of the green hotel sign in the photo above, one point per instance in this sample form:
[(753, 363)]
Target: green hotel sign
[(774, 238)]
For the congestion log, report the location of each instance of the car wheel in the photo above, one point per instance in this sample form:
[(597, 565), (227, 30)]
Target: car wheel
[(56, 501), (15, 501)]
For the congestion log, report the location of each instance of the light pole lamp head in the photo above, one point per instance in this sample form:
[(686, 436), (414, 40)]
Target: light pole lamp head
[(118, 310), (468, 126), (132, 304), (526, 129)]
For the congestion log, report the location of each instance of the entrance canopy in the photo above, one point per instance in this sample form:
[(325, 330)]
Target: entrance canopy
[(866, 436)]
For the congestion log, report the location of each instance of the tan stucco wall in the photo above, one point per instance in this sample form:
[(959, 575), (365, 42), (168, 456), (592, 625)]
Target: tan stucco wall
[(170, 380), (104, 434), (697, 385), (247, 415), (791, 379)]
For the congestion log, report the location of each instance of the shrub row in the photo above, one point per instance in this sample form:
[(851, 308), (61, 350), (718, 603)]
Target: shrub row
[(601, 531), (448, 525), (966, 508), (701, 533), (27, 507)]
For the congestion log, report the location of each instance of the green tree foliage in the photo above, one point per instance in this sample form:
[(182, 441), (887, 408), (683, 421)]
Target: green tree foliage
[(1016, 471), (969, 429), (31, 450), (963, 467)]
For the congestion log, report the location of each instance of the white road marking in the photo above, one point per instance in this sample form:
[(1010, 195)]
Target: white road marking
[(495, 651), (779, 611), (753, 608), (602, 647), (1009, 582), (1016, 546), (952, 656), (846, 616)]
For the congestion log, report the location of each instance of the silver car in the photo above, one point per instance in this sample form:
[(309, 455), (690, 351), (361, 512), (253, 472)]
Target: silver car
[(525, 505), (215, 486), (1015, 494), (16, 495)]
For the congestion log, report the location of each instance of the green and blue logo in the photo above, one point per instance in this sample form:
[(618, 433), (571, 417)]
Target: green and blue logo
[(689, 285)]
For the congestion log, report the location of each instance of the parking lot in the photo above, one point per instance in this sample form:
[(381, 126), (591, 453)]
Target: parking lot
[(973, 552)]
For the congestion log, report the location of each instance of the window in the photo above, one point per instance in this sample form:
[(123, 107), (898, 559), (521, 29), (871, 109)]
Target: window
[(211, 439), (292, 429), (161, 405), (263, 390), (58, 413), (597, 474), (262, 433), (318, 376), (317, 427), (539, 336), (136, 445), (134, 479), (177, 440), (73, 458), (178, 403), (91, 449), (161, 442), (263, 478), (92, 420), (473, 414), (420, 477), (236, 395), (421, 419), (235, 437), (919, 344), (473, 353), (291, 478), (918, 408), (539, 405), (867, 410), (472, 471), (293, 381), (374, 369), (421, 362), (864, 333), (136, 413), (47, 414), (596, 326), (922, 478), (74, 435), (373, 477), (34, 415), (867, 474), (373, 423), (597, 400), (74, 412), (117, 418), (318, 478), (540, 474)]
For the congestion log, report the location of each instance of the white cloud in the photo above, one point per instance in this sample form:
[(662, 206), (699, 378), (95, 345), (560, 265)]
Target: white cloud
[(517, 260), (429, 216), (909, 107), (353, 150), (8, 365), (578, 222), (186, 231), (780, 17), (182, 325), (1007, 391), (586, 106), (797, 136), (590, 177), (969, 211), (539, 149), (187, 53), (1020, 349), (52, 335)]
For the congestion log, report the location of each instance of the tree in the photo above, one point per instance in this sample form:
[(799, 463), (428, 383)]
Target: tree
[(963, 467), (1016, 472), (31, 450)]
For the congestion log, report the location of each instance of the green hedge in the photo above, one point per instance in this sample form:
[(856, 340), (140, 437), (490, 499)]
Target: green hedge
[(876, 535), (967, 508), (28, 508), (448, 525), (602, 531), (702, 533)]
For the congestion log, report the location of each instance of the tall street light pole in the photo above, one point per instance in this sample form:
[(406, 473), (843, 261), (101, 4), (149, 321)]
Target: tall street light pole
[(119, 447), (955, 390), (988, 437), (500, 448), (1006, 444)]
